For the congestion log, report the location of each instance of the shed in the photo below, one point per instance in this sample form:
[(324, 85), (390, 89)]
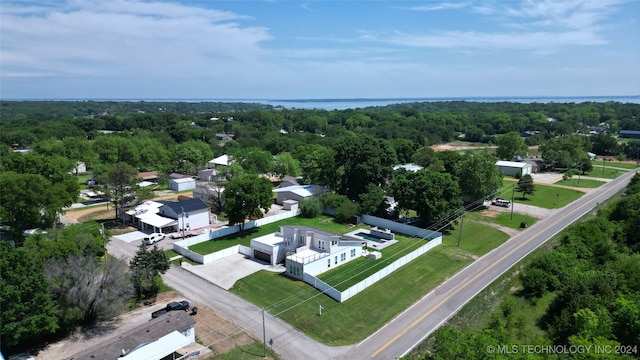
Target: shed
[(629, 134), (297, 193), (511, 168), (182, 184)]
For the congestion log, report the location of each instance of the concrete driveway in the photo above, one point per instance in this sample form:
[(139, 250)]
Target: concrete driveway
[(131, 236), (225, 272)]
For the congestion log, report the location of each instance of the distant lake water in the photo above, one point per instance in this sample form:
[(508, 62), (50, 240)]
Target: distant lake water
[(343, 104)]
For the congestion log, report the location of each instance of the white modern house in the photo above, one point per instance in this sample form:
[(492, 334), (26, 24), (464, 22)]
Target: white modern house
[(511, 168), (306, 250)]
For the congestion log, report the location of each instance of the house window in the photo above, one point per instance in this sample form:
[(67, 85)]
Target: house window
[(343, 257), (336, 259), (334, 242), (321, 244), (328, 262), (353, 252)]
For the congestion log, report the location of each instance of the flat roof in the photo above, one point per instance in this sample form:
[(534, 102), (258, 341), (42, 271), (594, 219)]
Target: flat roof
[(513, 164), (270, 239)]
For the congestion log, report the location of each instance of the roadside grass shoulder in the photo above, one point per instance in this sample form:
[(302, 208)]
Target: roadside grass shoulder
[(597, 164), (548, 197), (346, 323), (503, 219), (585, 183), (251, 351), (606, 173)]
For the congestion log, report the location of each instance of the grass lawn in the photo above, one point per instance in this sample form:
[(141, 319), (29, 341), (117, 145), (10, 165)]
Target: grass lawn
[(503, 219), (585, 183), (247, 352), (244, 237), (477, 239), (351, 321), (597, 164), (349, 274), (608, 173), (548, 197)]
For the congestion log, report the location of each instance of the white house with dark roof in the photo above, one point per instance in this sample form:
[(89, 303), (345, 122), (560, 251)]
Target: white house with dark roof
[(305, 249), (188, 214)]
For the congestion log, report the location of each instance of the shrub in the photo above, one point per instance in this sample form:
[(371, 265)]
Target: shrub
[(310, 208)]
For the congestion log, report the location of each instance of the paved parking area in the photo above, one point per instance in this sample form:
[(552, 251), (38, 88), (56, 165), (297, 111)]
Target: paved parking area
[(131, 237), (225, 272)]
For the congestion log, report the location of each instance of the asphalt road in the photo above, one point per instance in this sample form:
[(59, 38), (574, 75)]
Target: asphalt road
[(409, 328)]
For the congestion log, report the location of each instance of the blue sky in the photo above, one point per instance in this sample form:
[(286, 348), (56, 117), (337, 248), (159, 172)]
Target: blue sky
[(124, 49)]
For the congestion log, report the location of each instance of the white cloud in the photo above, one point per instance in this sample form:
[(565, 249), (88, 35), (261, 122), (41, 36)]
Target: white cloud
[(537, 26), (440, 6), (125, 37)]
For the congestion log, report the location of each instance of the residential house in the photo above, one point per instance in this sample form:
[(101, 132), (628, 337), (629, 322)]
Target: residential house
[(221, 136), (511, 168), (305, 250), (210, 194), (288, 180), (162, 338), (537, 164), (408, 167), (208, 175), (148, 176), (179, 176), (222, 160), (182, 184), (298, 193), (629, 134), (189, 214)]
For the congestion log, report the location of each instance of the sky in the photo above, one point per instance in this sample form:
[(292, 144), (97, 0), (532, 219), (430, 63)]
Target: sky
[(272, 49)]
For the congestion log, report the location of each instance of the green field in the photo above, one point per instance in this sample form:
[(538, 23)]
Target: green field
[(607, 173), (585, 183), (548, 197), (351, 321)]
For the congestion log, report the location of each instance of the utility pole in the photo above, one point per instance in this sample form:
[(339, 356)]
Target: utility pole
[(183, 224), (264, 336), (513, 193), (460, 232), (604, 159)]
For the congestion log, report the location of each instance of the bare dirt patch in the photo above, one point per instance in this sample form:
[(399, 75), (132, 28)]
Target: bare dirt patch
[(212, 330), (460, 146), (490, 213)]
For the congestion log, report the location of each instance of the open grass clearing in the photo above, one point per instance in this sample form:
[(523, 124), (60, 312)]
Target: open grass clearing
[(548, 197), (251, 351), (585, 183), (346, 323), (244, 237), (597, 164), (501, 218), (606, 173)]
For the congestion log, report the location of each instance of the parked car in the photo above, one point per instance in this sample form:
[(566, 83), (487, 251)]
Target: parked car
[(153, 238), (501, 202), (172, 306)]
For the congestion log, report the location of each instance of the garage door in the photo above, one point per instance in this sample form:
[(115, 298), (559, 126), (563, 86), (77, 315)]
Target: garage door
[(262, 256)]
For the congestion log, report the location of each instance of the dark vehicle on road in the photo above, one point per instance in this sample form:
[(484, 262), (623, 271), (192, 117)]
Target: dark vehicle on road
[(172, 306)]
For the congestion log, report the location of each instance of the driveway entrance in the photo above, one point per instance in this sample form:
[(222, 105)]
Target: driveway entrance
[(225, 272)]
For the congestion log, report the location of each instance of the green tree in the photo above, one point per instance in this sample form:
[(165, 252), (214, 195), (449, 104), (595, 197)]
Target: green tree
[(525, 186), (428, 159), (120, 186), (28, 311), (434, 196), (247, 196), (510, 145), (478, 176), (565, 151), (29, 201), (363, 160), (373, 202), (317, 164), (310, 208), (285, 164), (146, 268)]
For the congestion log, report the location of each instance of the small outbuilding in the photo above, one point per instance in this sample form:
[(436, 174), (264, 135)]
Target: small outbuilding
[(512, 168), (182, 184)]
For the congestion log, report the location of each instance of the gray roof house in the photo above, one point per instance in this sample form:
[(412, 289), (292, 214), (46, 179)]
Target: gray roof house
[(157, 339)]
